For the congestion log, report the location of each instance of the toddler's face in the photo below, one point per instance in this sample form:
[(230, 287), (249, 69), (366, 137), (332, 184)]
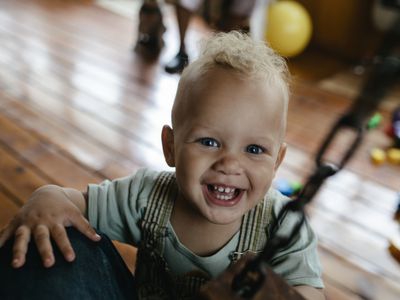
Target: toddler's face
[(226, 145)]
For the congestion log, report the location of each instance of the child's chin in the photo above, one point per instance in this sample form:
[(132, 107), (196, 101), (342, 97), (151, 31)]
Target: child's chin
[(224, 219)]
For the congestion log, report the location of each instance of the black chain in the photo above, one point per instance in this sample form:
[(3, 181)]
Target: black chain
[(248, 282), (382, 77)]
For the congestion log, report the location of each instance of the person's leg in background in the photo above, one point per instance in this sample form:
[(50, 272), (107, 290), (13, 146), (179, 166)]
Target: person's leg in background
[(98, 272), (235, 15), (231, 15), (184, 10), (150, 29), (180, 61)]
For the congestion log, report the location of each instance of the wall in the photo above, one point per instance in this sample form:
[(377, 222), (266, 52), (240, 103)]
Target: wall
[(342, 27)]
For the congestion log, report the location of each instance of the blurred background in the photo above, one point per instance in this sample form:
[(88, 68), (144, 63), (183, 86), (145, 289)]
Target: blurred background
[(84, 94)]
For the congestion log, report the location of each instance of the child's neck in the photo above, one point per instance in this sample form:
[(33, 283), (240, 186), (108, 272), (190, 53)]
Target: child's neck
[(198, 234)]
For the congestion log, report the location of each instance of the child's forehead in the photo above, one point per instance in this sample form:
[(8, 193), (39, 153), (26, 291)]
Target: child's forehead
[(220, 87), (219, 80), (229, 103)]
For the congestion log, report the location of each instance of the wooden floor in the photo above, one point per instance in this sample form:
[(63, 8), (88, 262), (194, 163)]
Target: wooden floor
[(78, 106)]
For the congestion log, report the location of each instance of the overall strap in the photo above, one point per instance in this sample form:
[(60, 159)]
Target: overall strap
[(253, 231), (159, 208)]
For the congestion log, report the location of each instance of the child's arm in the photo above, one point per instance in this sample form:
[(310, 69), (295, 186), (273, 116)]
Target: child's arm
[(45, 215), (310, 293)]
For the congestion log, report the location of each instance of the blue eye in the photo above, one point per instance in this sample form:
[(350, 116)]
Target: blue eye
[(254, 149), (208, 142)]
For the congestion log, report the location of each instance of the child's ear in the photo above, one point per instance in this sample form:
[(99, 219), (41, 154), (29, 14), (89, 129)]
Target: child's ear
[(167, 139), (281, 156)]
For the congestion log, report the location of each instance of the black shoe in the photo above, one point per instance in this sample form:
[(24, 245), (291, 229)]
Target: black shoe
[(151, 29), (178, 63)]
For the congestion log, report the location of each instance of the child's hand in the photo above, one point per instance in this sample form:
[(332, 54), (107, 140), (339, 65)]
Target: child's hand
[(46, 214)]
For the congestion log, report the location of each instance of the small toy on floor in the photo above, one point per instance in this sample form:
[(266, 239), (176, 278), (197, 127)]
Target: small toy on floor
[(288, 188), (374, 121), (392, 154), (378, 156)]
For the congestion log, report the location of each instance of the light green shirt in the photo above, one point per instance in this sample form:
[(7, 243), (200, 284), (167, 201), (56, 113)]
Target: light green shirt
[(117, 207)]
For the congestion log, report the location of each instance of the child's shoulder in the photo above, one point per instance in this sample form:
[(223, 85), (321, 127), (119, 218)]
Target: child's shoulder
[(150, 176), (155, 185), (275, 200), (275, 197)]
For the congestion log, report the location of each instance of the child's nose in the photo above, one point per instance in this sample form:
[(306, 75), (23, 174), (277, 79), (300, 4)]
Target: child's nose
[(228, 164)]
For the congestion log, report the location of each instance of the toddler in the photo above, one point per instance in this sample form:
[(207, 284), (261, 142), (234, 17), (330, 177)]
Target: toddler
[(226, 143)]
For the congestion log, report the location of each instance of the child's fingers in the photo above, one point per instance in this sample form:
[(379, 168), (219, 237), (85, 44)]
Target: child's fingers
[(20, 247), (82, 224), (60, 236), (42, 239)]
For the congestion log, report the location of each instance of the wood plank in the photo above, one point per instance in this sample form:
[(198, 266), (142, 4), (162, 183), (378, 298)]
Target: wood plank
[(315, 123), (44, 157), (62, 48), (298, 165), (127, 146), (70, 141), (79, 103), (332, 292), (7, 208), (363, 248), (93, 48), (72, 22), (18, 179), (358, 212), (98, 84), (345, 280)]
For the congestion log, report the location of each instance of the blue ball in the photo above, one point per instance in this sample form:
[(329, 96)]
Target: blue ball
[(284, 186)]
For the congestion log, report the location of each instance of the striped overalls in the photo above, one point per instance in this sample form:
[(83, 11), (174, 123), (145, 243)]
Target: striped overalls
[(153, 278)]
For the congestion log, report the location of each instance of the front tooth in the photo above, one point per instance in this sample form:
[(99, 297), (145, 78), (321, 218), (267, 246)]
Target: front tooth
[(221, 189), (223, 197)]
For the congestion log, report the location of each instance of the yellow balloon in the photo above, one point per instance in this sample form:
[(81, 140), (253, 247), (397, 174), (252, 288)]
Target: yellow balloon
[(289, 27)]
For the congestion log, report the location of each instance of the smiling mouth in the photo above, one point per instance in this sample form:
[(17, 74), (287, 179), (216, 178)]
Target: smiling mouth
[(223, 193)]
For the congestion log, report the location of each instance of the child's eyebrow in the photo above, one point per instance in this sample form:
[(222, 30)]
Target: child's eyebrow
[(267, 137), (263, 140), (198, 130), (200, 127)]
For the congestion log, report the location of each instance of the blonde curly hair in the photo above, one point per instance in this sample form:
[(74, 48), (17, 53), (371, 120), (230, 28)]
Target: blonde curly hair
[(252, 59)]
